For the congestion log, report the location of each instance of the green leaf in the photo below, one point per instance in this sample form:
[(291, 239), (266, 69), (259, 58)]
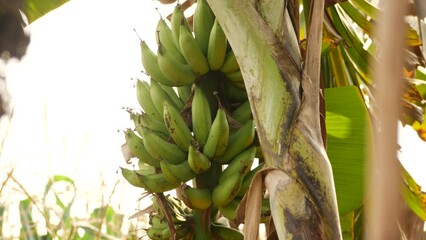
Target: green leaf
[(35, 9), (66, 207), (348, 141), (357, 17), (413, 195), (28, 227), (2, 208)]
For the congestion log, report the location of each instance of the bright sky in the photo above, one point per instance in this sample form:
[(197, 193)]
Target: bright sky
[(68, 92)]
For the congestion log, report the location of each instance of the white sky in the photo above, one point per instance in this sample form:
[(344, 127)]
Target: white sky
[(68, 93)]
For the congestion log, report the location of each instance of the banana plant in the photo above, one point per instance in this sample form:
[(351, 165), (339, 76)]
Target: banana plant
[(284, 95), (283, 84)]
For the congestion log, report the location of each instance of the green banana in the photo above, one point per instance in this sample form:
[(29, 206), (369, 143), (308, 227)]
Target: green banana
[(159, 96), (227, 190), (164, 233), (161, 233), (248, 178), (216, 51), (168, 173), (181, 171), (177, 127), (164, 37), (201, 116), (150, 64), (203, 23), (242, 113), (132, 177), (238, 141), (234, 92), (178, 19), (137, 148), (241, 164), (160, 149), (192, 52), (197, 198), (179, 73), (173, 96), (184, 92), (230, 63), (197, 161), (236, 77), (217, 141), (225, 233), (157, 183), (230, 210), (145, 120), (145, 169), (157, 221), (145, 101)]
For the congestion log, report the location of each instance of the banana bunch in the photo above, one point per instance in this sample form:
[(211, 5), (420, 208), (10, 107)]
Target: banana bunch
[(194, 132), (182, 56), (181, 219)]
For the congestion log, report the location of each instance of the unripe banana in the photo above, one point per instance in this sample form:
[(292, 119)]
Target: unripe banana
[(184, 92), (179, 73), (242, 113), (164, 37), (230, 210), (216, 51), (150, 64), (168, 173), (227, 190), (160, 149), (201, 116), (157, 221), (225, 233), (137, 148), (145, 169), (159, 96), (236, 77), (156, 233), (145, 120), (197, 161), (217, 141), (241, 164), (238, 141), (181, 171), (247, 180), (145, 101), (132, 177), (197, 198), (235, 93), (178, 19), (157, 183), (203, 23), (173, 96), (230, 64), (192, 52), (177, 127)]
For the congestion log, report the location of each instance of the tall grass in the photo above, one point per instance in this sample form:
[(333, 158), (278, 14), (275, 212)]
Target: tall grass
[(52, 214)]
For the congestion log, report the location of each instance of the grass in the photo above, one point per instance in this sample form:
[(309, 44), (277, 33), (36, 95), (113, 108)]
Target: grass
[(53, 214)]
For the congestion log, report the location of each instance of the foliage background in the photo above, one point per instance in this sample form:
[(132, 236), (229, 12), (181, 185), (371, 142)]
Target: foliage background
[(68, 92)]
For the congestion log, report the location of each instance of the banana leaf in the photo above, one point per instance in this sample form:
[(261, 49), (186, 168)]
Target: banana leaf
[(34, 9), (348, 140)]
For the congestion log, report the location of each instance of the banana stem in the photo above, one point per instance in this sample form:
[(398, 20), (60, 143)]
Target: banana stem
[(202, 224)]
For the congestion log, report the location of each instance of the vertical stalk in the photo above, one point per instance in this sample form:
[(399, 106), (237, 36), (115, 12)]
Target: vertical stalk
[(202, 224), (384, 171)]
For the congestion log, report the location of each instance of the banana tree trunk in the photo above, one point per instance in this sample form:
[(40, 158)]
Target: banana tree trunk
[(284, 100)]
